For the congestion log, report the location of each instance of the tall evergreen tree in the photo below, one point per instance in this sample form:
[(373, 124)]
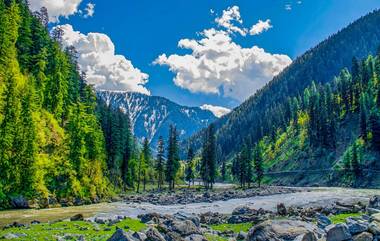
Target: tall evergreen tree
[(208, 161), (160, 163), (172, 164)]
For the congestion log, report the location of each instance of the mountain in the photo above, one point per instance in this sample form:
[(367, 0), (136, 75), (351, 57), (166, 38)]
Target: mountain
[(256, 117), (151, 116)]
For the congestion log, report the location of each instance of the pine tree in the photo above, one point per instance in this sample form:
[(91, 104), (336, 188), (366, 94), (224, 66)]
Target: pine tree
[(208, 161), (172, 164), (160, 163), (374, 122), (258, 162), (189, 173)]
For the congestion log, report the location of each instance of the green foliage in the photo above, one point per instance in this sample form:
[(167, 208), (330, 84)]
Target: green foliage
[(50, 140), (208, 158), (90, 231), (236, 228), (341, 218)]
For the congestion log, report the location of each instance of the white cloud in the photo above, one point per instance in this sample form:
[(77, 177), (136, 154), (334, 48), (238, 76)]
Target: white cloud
[(218, 65), (56, 8), (260, 27), (218, 111), (104, 69), (288, 7), (90, 10), (230, 17)]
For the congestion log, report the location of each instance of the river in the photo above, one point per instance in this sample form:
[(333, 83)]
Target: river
[(313, 197)]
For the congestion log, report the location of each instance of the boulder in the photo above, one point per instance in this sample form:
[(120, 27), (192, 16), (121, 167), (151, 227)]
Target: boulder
[(77, 217), (309, 236), (356, 226), (374, 202), (375, 217), (244, 210), (212, 218), (195, 237), (184, 228), (155, 217), (121, 235), (139, 236), (281, 209), (241, 235), (280, 230), (323, 221), (14, 235), (365, 236), (338, 232), (187, 216), (374, 228), (152, 234), (372, 211)]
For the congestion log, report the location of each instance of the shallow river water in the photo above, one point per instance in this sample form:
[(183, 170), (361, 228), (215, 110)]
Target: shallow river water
[(313, 197)]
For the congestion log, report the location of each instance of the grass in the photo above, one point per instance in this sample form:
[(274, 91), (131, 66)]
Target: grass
[(211, 237), (90, 231), (341, 218), (236, 228)]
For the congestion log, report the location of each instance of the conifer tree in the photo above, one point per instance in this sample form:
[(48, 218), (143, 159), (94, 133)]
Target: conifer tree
[(172, 163), (189, 173), (258, 162), (160, 163)]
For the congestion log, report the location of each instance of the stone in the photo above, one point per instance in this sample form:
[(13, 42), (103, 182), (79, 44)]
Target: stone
[(145, 218), (372, 211), (338, 232), (281, 209), (14, 235), (365, 236), (187, 216), (309, 236), (244, 210), (77, 217), (374, 228), (356, 226), (374, 202), (195, 237), (375, 217), (153, 235), (139, 236), (241, 235), (184, 228), (280, 230), (323, 221), (35, 222), (121, 235)]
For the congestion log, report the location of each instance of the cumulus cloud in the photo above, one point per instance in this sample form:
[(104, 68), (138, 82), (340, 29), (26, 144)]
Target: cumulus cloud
[(56, 8), (105, 70), (288, 7), (218, 65), (229, 19), (90, 10), (218, 111), (260, 27)]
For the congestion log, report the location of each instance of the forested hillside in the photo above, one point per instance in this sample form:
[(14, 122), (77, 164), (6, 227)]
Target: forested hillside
[(51, 142), (261, 114), (332, 138)]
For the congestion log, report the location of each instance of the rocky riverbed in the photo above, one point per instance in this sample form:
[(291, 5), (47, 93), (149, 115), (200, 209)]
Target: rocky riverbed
[(309, 212)]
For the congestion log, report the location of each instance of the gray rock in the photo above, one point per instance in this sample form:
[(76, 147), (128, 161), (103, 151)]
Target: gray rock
[(195, 237), (184, 228), (153, 235), (356, 226), (365, 236), (244, 210), (309, 236), (374, 202), (281, 209), (187, 216), (375, 217), (242, 235), (140, 236), (14, 235), (372, 211), (280, 230), (338, 232), (374, 228), (19, 202), (121, 235), (323, 221), (77, 217)]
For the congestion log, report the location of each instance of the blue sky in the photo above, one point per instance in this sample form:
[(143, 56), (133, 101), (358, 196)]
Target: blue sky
[(141, 30)]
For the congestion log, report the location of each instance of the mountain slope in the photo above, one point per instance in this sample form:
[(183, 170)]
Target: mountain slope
[(254, 118), (151, 116)]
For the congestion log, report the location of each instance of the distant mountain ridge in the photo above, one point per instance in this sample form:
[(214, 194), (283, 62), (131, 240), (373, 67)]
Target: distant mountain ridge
[(254, 118), (151, 116)]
